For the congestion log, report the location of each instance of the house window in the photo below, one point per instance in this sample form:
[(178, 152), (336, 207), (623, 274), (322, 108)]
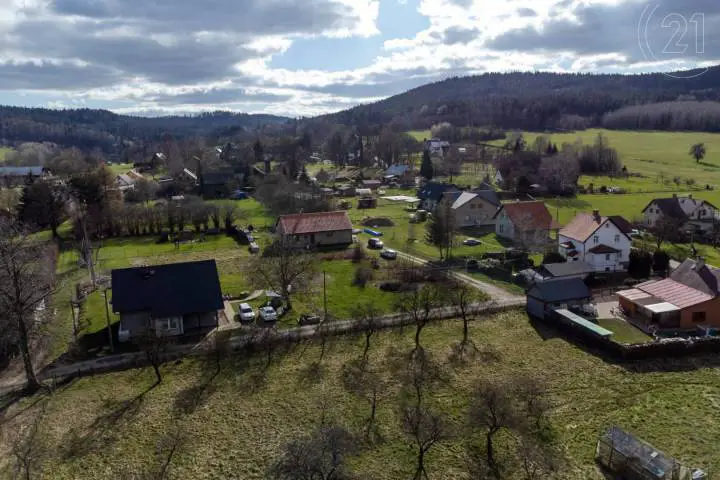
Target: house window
[(472, 206), (617, 238), (698, 317), (618, 255), (607, 257), (330, 234), (607, 225), (596, 239), (168, 324), (500, 228)]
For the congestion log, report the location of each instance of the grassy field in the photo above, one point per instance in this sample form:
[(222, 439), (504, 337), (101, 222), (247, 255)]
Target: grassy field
[(623, 331), (4, 151), (118, 168), (104, 426)]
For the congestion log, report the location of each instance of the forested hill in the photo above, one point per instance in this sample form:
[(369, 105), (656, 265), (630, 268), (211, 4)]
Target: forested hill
[(102, 129), (530, 101)]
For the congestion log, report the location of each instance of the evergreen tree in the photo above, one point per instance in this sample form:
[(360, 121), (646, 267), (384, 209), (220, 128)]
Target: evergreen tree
[(426, 167), (42, 205)]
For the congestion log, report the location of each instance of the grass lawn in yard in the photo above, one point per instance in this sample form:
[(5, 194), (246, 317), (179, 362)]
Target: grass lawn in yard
[(4, 151), (118, 168), (623, 332), (239, 419)]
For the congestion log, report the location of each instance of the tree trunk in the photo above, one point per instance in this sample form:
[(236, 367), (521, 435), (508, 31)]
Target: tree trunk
[(491, 455), (420, 464), (465, 330), (367, 345), (418, 331), (32, 382), (158, 375)]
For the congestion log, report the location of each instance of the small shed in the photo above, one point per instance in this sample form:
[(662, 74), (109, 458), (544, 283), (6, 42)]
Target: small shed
[(548, 295), (364, 192), (577, 269), (367, 202), (633, 459)]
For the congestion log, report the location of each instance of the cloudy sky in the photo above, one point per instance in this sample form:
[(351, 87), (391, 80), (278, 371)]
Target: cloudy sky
[(306, 57)]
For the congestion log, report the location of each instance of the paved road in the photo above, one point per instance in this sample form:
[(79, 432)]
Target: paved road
[(496, 293)]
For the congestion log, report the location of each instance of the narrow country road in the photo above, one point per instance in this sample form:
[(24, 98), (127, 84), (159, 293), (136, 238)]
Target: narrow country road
[(496, 293)]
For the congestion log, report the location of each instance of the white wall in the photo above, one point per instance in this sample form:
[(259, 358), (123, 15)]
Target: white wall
[(607, 234), (504, 227)]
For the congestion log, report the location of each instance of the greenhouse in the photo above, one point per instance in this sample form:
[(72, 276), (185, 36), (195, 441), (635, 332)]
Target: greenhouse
[(633, 459)]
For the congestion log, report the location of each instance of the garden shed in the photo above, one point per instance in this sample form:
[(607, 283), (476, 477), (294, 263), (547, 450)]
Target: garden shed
[(626, 455), (548, 295)]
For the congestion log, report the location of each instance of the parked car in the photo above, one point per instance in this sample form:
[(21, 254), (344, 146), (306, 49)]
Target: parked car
[(375, 243), (472, 265), (388, 254), (254, 248), (308, 320), (268, 314), (246, 313), (635, 233), (471, 242)]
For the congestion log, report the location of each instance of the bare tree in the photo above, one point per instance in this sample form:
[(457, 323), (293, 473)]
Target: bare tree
[(463, 296), (229, 213), (368, 317), (426, 428), (320, 456), (418, 305), (154, 342), (666, 228), (441, 229), (26, 283), (285, 270), (360, 380), (27, 445)]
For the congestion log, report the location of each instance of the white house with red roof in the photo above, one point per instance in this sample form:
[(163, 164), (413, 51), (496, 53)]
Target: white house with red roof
[(527, 224), (322, 229), (602, 242)]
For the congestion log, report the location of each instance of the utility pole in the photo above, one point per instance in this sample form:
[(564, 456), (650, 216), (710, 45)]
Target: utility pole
[(325, 295), (87, 249)]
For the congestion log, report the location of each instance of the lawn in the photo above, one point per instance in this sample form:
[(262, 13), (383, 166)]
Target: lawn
[(93, 429), (623, 331), (118, 168), (4, 151)]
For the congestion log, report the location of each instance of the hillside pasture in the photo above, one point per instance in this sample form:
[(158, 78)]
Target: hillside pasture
[(234, 421)]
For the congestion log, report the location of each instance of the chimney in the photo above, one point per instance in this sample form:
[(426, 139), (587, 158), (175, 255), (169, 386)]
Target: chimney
[(596, 215), (699, 263), (675, 196)]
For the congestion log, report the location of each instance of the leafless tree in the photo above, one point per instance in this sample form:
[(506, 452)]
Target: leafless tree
[(666, 228), (229, 213), (462, 297), (517, 406), (368, 317), (154, 343), (26, 283), (285, 270), (364, 382), (418, 306), (320, 456), (426, 428), (27, 444)]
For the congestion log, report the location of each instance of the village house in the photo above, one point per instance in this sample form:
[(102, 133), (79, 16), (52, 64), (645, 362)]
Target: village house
[(166, 300), (400, 174), (473, 209), (215, 184), (560, 293), (16, 176), (602, 242), (124, 181), (437, 147), (687, 300), (310, 230), (527, 224), (680, 211), (431, 194)]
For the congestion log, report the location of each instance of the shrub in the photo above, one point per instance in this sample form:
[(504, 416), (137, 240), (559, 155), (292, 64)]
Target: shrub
[(362, 276), (358, 254), (553, 257)]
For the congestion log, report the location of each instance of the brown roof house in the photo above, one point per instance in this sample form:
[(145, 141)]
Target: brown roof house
[(527, 224), (688, 299), (310, 230), (602, 242)]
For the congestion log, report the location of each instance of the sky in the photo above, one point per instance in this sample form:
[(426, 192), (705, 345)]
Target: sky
[(309, 57)]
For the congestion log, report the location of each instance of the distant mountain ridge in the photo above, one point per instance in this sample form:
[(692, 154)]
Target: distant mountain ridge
[(90, 128), (531, 100)]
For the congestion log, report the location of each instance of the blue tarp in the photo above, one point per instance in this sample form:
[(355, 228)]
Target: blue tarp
[(374, 233)]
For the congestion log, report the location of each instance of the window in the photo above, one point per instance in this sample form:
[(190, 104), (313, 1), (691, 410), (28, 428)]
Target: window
[(500, 229), (698, 317), (619, 255), (596, 239), (472, 206), (607, 257), (168, 324), (617, 238), (330, 234), (607, 224)]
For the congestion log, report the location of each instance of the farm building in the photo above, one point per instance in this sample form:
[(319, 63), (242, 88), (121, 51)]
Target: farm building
[(633, 459), (544, 297), (577, 269), (322, 229)]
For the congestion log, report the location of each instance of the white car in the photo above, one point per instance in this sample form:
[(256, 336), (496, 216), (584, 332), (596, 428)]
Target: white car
[(246, 313), (268, 314), (388, 254)]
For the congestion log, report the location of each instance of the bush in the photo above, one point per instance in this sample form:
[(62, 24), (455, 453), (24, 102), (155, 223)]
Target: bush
[(362, 276), (358, 254), (553, 257), (640, 263), (661, 261)]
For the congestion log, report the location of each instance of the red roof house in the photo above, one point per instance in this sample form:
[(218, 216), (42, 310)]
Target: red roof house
[(315, 229), (526, 223)]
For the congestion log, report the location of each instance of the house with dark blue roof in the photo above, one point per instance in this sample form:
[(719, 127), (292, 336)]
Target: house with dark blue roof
[(14, 176), (431, 194), (166, 300)]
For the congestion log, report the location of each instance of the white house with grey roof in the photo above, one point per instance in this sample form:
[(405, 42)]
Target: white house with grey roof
[(473, 209)]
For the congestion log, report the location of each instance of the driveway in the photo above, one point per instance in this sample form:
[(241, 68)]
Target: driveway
[(496, 293)]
